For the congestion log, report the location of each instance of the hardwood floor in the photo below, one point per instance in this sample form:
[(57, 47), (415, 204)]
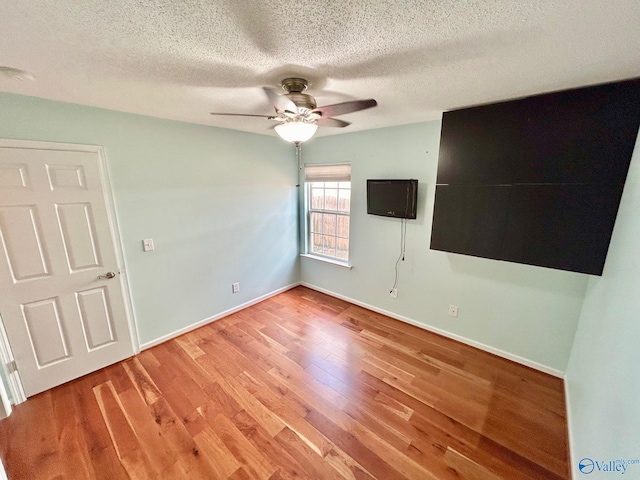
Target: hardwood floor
[(299, 386)]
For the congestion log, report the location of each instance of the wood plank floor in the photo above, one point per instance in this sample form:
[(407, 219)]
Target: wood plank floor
[(299, 386)]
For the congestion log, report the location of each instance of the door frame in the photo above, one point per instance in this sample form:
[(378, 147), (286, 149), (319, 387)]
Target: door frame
[(6, 355)]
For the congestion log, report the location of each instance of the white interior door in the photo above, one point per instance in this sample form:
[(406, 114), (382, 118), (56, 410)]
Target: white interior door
[(63, 315)]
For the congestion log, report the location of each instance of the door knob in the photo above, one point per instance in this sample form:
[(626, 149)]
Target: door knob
[(108, 275)]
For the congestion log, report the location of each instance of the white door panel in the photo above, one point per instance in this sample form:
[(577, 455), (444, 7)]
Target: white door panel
[(78, 235), (13, 176), (97, 323), (44, 327), (21, 232), (62, 320)]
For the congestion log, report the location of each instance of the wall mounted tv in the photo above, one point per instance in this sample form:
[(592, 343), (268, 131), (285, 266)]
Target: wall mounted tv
[(392, 198)]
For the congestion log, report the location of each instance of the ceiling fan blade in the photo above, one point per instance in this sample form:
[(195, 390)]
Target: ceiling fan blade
[(241, 115), (280, 102), (332, 122), (345, 107)]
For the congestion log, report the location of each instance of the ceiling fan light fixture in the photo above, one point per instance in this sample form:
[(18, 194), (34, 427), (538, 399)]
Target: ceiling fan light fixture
[(296, 132)]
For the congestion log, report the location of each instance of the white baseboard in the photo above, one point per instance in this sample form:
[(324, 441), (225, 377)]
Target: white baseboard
[(487, 348), (220, 315), (569, 423)]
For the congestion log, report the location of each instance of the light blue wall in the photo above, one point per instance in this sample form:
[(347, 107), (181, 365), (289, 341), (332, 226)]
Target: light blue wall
[(526, 311), (219, 204), (603, 377)]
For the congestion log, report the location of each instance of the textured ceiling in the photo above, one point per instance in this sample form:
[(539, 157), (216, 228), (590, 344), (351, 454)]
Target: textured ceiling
[(183, 59)]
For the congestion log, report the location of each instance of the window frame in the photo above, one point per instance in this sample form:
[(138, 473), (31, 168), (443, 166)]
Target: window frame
[(310, 210)]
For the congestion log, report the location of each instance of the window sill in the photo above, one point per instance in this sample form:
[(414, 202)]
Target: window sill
[(327, 260)]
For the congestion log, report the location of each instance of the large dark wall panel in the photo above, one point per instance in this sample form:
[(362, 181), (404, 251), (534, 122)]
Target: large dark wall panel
[(579, 136), (470, 219), (495, 140), (567, 227), (537, 180)]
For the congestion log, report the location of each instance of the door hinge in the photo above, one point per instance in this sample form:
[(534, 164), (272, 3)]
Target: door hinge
[(12, 366)]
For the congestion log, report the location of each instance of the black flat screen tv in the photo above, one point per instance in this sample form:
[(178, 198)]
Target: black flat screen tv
[(392, 198)]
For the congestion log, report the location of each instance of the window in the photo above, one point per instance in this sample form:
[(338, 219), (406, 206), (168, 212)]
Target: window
[(328, 190)]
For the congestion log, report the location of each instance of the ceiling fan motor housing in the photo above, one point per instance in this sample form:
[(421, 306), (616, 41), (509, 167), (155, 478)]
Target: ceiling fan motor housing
[(294, 88), (302, 101)]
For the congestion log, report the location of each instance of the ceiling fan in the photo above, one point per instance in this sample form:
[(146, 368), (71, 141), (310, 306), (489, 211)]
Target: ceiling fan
[(298, 114)]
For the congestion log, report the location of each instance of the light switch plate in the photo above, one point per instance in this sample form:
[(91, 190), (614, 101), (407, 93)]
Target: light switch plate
[(147, 245)]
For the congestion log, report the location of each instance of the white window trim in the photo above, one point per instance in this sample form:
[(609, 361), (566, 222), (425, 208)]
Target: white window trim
[(345, 175), (330, 260)]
